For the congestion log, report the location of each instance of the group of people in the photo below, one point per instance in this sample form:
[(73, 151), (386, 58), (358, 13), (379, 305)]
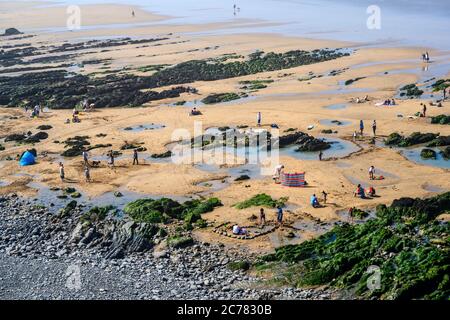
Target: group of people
[(360, 192), (87, 165), (361, 129), (314, 201), (35, 111), (389, 102)]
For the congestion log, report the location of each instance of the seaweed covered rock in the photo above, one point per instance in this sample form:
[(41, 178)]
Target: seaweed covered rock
[(411, 91), (446, 153), (161, 210), (428, 154), (220, 97), (304, 141), (36, 138), (261, 200), (441, 119), (163, 155), (440, 141), (395, 139), (44, 127), (404, 241), (61, 89), (15, 137)]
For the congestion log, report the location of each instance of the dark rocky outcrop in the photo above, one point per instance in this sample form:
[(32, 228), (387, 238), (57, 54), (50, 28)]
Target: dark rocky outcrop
[(304, 141), (428, 154), (11, 32)]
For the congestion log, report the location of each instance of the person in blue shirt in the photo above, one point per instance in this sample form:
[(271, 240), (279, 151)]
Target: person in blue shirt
[(361, 127), (279, 214), (315, 201)]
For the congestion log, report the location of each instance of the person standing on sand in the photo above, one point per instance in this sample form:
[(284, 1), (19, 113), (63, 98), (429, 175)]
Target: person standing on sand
[(374, 127), (320, 155), (262, 217), (133, 14), (361, 127), (111, 158), (424, 111), (87, 174), (258, 119), (61, 171), (325, 195), (279, 215), (86, 158), (355, 135), (372, 173), (135, 157)]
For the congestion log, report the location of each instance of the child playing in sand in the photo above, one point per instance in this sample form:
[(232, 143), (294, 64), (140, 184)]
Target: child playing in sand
[(262, 217), (87, 174)]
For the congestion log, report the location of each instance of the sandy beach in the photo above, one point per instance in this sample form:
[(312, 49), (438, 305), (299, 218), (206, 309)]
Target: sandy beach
[(288, 102), (325, 99)]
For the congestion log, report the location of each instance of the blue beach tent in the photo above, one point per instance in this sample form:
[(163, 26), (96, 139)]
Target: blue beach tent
[(27, 159)]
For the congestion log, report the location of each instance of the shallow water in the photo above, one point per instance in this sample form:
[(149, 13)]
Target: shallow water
[(339, 148), (47, 197), (413, 154), (144, 127), (416, 22), (335, 123), (337, 106)]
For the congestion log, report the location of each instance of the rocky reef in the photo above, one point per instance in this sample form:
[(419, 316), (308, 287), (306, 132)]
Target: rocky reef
[(432, 140), (404, 242), (304, 141)]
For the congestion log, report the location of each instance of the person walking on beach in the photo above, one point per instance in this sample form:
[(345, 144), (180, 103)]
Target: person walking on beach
[(424, 111), (262, 217), (258, 119), (61, 171), (374, 128), (135, 157), (320, 155), (279, 215), (111, 158), (361, 127), (372, 173), (325, 195), (86, 158), (427, 57), (87, 174)]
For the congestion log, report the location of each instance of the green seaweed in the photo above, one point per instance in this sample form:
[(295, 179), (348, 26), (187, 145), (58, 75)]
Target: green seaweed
[(261, 200)]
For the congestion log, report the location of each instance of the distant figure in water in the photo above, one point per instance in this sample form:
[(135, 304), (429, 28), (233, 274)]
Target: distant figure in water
[(133, 14), (427, 57)]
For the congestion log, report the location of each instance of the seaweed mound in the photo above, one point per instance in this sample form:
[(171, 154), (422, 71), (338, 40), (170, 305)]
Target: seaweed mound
[(162, 210)]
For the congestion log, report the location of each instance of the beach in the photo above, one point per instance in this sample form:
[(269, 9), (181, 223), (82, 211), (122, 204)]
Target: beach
[(325, 98)]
